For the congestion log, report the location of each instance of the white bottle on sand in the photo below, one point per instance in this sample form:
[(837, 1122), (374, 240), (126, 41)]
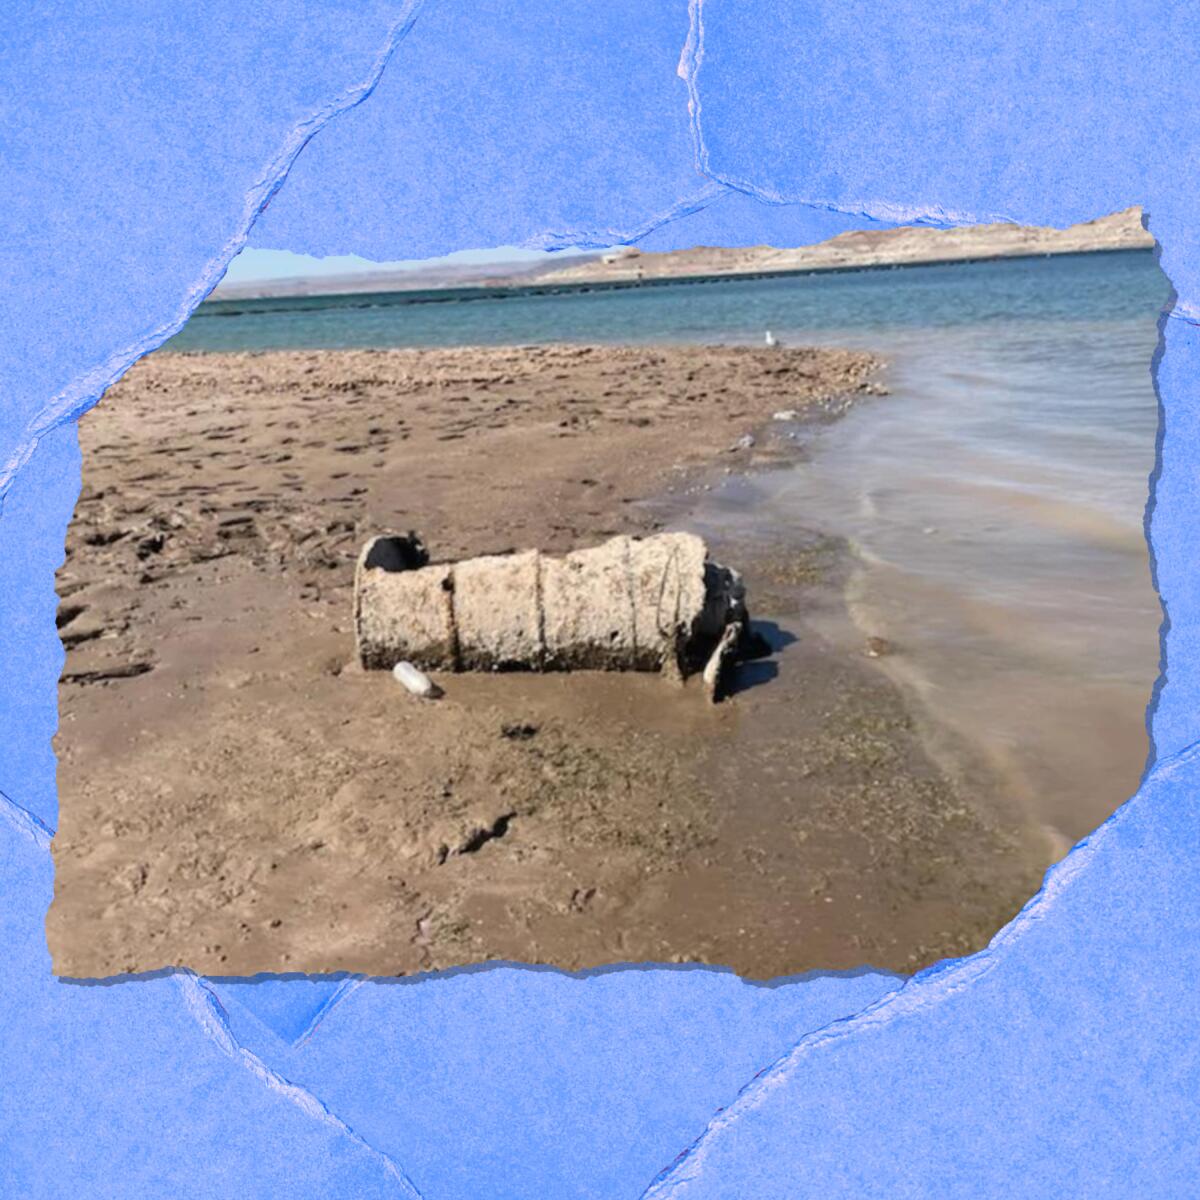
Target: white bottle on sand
[(416, 682)]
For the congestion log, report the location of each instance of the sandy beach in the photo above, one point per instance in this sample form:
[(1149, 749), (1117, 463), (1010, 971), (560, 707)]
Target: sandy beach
[(238, 796)]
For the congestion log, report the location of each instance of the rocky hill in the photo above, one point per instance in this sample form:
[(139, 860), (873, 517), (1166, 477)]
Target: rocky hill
[(871, 248)]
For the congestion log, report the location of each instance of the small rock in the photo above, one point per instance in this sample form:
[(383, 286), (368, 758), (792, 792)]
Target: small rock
[(877, 647), (785, 414), (153, 544), (745, 442), (417, 683), (518, 731)]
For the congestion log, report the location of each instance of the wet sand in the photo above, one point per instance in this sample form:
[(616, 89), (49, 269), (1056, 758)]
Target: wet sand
[(237, 796)]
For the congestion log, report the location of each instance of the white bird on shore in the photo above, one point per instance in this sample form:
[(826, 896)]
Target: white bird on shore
[(770, 339)]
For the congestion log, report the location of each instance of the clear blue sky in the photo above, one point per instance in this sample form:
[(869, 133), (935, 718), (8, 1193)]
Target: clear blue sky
[(254, 266)]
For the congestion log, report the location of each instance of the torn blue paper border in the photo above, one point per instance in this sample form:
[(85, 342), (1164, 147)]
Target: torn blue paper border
[(137, 148)]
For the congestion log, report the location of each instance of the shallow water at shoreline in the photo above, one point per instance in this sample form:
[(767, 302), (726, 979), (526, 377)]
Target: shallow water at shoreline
[(993, 504)]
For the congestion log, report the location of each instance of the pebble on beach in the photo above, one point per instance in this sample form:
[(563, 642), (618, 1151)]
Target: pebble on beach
[(877, 647)]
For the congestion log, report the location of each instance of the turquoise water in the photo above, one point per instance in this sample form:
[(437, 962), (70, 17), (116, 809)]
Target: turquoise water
[(994, 500), (1070, 289)]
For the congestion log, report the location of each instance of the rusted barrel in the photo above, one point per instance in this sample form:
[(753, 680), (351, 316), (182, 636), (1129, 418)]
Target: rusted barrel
[(635, 604)]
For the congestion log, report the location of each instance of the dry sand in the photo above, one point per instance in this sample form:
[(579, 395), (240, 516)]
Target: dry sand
[(237, 796)]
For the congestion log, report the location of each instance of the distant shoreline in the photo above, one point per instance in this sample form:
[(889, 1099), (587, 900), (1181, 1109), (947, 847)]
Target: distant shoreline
[(236, 306), (855, 250)]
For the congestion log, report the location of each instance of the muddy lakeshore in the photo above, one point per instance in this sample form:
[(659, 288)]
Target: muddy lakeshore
[(238, 796)]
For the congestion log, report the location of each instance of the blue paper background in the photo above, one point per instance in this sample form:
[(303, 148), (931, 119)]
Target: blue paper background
[(137, 145)]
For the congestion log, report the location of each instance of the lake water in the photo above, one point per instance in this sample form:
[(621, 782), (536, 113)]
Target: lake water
[(994, 500)]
